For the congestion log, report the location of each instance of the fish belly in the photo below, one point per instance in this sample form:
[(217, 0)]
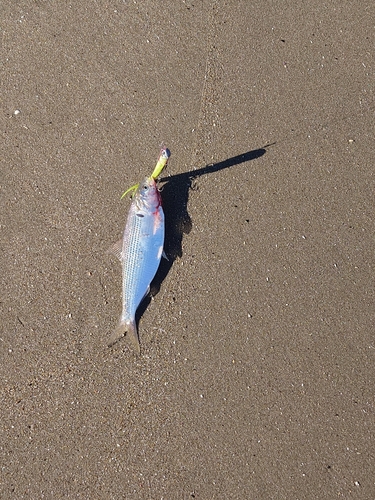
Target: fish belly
[(141, 253)]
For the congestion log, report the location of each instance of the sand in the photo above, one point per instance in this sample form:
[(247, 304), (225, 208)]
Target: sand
[(256, 377)]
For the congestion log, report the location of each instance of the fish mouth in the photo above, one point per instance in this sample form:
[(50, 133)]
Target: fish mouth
[(160, 165)]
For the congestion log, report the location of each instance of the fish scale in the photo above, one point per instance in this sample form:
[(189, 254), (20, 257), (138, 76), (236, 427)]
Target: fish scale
[(139, 252), (140, 257)]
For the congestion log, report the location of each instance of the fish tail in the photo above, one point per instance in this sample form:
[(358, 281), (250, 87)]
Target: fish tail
[(126, 328)]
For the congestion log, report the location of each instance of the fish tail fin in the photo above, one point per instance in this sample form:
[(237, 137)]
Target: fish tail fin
[(129, 329)]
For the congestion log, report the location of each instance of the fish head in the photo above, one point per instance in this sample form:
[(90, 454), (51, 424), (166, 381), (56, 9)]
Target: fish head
[(147, 195)]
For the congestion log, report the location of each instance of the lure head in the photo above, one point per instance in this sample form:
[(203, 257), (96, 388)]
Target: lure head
[(148, 182), (162, 162), (147, 194)]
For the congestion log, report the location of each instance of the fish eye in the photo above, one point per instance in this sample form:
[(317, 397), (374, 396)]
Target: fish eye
[(145, 187)]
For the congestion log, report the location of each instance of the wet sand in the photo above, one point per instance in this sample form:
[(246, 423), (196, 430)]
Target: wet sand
[(256, 377)]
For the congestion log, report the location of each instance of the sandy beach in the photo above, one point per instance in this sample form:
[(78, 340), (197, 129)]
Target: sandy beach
[(256, 373)]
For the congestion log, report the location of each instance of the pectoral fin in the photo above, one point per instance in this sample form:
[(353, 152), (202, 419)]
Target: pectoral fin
[(116, 250)]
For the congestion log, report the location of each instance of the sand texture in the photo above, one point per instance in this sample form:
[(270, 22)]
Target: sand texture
[(256, 373)]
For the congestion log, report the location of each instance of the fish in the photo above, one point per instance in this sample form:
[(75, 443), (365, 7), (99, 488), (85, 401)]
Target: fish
[(140, 252)]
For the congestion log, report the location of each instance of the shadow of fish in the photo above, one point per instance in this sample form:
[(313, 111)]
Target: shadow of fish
[(139, 252)]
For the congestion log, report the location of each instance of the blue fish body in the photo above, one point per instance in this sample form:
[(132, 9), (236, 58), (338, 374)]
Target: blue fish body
[(140, 252)]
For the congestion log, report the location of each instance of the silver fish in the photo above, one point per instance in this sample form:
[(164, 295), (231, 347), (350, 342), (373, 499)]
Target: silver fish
[(140, 252)]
